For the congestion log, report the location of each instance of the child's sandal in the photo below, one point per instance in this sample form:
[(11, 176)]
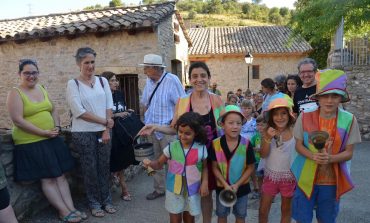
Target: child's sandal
[(126, 196)]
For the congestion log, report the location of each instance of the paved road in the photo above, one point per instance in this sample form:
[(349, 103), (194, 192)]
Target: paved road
[(355, 205)]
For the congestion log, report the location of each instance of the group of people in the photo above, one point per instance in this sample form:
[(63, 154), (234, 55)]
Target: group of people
[(208, 145), (264, 138)]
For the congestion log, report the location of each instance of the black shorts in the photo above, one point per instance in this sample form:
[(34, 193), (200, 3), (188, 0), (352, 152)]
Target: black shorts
[(4, 198)]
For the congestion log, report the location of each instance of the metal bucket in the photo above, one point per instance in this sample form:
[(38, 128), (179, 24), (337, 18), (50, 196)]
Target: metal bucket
[(143, 149)]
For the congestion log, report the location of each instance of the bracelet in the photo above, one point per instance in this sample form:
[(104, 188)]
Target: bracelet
[(267, 141)]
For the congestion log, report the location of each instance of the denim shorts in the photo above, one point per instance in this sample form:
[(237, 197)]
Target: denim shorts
[(324, 196), (239, 208)]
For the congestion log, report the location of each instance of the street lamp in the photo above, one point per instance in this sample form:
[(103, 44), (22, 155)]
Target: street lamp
[(248, 60)]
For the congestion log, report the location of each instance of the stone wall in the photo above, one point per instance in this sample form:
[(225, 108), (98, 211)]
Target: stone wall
[(359, 90), (118, 52), (27, 199), (231, 72)]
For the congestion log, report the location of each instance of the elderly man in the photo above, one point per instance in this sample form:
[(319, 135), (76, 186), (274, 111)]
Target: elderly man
[(160, 95), (214, 89), (307, 69)]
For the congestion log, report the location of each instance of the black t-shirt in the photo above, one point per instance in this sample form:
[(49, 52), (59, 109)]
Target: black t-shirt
[(119, 104), (301, 99), (250, 160)]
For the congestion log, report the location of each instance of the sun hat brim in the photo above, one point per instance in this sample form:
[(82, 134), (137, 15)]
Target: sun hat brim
[(222, 117), (266, 114), (151, 65), (344, 94)]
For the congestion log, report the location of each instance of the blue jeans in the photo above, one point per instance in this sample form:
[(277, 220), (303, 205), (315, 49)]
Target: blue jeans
[(239, 208)]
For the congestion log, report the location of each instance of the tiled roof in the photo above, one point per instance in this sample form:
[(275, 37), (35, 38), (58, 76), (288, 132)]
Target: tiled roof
[(74, 23), (242, 39)]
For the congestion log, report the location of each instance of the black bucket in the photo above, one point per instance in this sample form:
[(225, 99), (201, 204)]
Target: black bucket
[(142, 150)]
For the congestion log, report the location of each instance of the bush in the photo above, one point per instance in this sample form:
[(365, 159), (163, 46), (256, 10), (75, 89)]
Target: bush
[(192, 15)]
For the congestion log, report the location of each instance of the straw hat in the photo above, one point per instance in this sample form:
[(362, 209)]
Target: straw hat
[(152, 60), (230, 109), (331, 81)]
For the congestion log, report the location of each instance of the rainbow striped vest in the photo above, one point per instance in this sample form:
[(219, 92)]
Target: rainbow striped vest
[(189, 166), (183, 105), (234, 168), (305, 169)]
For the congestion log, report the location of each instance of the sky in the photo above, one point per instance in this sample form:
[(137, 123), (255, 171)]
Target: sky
[(23, 8)]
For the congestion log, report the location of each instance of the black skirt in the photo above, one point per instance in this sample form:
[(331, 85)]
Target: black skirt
[(49, 158), (122, 152)]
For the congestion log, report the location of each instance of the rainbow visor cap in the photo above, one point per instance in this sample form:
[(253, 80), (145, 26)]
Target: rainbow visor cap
[(331, 81), (279, 100), (230, 109)]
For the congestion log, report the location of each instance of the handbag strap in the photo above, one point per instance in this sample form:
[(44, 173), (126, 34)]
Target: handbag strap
[(155, 89)]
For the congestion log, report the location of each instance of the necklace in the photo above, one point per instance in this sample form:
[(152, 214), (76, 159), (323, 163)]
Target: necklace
[(90, 81)]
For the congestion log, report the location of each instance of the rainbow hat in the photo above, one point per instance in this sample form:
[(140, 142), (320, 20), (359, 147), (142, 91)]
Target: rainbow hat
[(331, 81), (279, 100)]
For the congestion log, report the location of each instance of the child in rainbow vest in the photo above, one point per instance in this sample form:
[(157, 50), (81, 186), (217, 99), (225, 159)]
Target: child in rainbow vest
[(187, 176), (232, 163), (322, 177)]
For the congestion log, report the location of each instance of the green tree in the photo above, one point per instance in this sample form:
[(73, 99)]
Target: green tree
[(92, 7), (284, 11), (317, 21), (115, 3)]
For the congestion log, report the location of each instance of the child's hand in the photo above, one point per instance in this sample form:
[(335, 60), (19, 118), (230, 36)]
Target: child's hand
[(203, 191), (235, 187), (321, 157), (271, 132), (228, 187), (146, 162)]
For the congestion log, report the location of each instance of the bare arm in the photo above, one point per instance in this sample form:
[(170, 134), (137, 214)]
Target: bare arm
[(204, 184), (15, 108), (156, 164), (149, 129), (218, 175)]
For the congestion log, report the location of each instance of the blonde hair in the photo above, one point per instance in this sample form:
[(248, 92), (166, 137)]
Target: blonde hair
[(247, 103)]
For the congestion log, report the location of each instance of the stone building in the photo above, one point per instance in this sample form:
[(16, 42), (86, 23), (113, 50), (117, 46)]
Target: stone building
[(224, 48), (120, 36)]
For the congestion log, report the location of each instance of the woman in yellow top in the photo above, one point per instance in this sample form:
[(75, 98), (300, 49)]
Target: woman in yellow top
[(39, 153)]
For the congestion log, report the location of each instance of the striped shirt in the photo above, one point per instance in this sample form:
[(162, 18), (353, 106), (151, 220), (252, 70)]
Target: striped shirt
[(162, 106)]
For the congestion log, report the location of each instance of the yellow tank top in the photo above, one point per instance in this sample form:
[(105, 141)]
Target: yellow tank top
[(37, 113)]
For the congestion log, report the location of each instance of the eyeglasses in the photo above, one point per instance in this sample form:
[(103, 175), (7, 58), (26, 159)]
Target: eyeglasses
[(113, 80), (29, 74), (306, 72)]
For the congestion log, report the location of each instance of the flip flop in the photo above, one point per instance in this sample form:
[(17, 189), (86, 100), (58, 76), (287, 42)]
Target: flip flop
[(97, 212), (71, 218), (80, 214)]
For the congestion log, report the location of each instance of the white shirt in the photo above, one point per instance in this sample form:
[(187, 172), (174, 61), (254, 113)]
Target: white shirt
[(83, 98)]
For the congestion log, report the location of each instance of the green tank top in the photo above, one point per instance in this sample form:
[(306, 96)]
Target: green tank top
[(37, 113)]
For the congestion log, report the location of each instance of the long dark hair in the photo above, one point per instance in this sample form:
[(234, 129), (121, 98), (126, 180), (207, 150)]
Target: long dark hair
[(297, 80), (270, 121), (195, 122)]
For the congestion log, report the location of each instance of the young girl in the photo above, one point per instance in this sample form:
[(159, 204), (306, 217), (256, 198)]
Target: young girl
[(277, 147), (232, 163), (187, 176), (249, 128)]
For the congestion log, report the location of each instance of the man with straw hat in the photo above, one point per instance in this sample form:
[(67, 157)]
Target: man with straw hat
[(160, 95), (323, 177)]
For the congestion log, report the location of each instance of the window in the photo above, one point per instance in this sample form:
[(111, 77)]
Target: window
[(128, 84), (256, 72)]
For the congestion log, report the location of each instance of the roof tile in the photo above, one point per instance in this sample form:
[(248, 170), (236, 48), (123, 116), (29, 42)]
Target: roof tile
[(255, 39), (103, 20)]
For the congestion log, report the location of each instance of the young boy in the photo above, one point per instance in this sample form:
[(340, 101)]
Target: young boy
[(323, 177), (232, 163), (249, 127), (257, 175)]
